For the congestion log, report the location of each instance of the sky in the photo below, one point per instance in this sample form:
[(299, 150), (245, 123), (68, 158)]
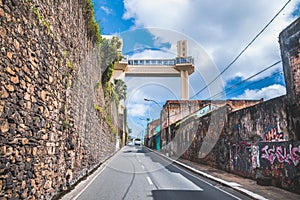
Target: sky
[(216, 31)]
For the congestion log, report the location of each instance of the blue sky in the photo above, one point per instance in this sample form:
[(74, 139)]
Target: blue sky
[(216, 35), (109, 14)]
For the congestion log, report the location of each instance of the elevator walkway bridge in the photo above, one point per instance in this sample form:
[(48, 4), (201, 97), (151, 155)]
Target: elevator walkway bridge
[(179, 67), (156, 67)]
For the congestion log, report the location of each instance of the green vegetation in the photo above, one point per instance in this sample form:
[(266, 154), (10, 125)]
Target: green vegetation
[(68, 83), (109, 56), (64, 53), (93, 28), (69, 64), (107, 118), (116, 90), (120, 88), (40, 17), (66, 124), (99, 109), (98, 85)]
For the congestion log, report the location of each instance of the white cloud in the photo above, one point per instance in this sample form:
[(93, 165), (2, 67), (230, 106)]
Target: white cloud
[(222, 29), (107, 10), (266, 93), (153, 54), (158, 89), (137, 110), (216, 32)]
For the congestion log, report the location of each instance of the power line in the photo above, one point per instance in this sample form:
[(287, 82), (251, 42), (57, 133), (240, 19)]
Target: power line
[(254, 83), (239, 55), (243, 81), (247, 79)]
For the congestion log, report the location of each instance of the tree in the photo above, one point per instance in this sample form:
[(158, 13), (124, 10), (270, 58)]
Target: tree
[(120, 88), (109, 55)]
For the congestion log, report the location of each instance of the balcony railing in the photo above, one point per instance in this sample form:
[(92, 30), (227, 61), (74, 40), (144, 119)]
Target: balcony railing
[(161, 62), (184, 60)]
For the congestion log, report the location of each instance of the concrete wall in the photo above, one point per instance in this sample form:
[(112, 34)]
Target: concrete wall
[(253, 142), (175, 110), (248, 127), (289, 45), (48, 77)]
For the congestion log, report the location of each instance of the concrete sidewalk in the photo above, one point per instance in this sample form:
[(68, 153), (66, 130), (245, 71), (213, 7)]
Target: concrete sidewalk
[(246, 186)]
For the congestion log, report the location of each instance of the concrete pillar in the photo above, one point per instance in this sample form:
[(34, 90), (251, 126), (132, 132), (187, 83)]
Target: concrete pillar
[(184, 76)]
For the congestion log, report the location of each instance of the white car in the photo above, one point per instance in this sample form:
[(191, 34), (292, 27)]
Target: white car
[(137, 142)]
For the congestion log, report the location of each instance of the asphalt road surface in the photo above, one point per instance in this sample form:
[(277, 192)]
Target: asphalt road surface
[(137, 173)]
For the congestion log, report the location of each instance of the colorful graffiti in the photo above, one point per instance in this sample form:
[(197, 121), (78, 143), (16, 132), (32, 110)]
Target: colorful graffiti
[(281, 159), (290, 154), (273, 134), (242, 158)]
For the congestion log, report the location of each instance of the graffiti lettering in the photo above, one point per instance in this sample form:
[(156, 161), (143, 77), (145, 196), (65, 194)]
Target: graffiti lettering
[(288, 155), (272, 134), (242, 158)]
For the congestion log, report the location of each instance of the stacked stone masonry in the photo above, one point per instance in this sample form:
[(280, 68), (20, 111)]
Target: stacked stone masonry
[(48, 123)]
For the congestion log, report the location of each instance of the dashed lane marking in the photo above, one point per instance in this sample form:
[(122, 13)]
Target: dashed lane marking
[(149, 180)]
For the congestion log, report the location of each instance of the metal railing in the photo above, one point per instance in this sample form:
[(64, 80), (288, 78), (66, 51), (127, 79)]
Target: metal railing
[(184, 60), (160, 62)]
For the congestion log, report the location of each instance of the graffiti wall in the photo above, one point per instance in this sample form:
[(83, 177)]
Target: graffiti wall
[(243, 158), (197, 138), (266, 121), (280, 159), (273, 133), (247, 142)]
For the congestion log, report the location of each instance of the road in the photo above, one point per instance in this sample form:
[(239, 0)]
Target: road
[(137, 173)]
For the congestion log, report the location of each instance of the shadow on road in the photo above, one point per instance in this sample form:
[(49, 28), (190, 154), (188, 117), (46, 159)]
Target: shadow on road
[(177, 194)]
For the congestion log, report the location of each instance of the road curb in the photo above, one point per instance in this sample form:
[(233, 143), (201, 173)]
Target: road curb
[(80, 186), (235, 186)]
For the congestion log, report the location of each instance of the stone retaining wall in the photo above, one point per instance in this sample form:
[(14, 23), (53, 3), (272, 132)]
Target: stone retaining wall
[(51, 133)]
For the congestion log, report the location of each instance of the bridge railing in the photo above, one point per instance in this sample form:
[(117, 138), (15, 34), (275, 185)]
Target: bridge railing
[(160, 62), (151, 62), (185, 60)]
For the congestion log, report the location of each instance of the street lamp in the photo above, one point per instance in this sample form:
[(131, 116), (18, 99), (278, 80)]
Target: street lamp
[(145, 99), (168, 133), (146, 119)]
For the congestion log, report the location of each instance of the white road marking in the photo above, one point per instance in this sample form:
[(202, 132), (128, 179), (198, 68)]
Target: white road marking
[(205, 175), (100, 170), (149, 180)]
